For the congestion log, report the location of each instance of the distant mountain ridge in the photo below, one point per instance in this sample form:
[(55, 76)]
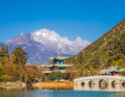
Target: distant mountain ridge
[(107, 51), (44, 43), (1, 44)]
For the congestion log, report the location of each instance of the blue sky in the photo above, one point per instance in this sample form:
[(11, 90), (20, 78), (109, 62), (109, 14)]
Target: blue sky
[(88, 19)]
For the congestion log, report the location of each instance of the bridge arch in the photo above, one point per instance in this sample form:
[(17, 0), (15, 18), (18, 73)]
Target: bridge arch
[(123, 84), (91, 84), (103, 84), (82, 84), (114, 84)]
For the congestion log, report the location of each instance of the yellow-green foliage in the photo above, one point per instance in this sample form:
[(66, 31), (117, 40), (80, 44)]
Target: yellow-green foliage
[(109, 50), (13, 67)]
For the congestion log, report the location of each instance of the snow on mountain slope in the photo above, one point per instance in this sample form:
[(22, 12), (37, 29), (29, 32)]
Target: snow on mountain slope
[(48, 37), (44, 43)]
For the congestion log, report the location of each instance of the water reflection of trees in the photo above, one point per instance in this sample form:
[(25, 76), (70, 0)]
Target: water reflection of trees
[(13, 94), (119, 95)]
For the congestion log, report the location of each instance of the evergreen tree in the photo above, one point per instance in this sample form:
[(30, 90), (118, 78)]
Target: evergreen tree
[(4, 55)]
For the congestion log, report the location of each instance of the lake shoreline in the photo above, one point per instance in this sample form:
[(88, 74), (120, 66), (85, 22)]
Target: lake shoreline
[(12, 85)]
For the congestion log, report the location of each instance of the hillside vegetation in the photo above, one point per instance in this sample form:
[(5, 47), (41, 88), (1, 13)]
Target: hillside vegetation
[(108, 50)]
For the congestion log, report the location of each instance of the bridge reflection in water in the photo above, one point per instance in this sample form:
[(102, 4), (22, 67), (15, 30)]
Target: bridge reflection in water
[(100, 83)]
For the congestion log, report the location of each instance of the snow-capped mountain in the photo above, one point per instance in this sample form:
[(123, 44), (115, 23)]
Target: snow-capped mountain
[(44, 43)]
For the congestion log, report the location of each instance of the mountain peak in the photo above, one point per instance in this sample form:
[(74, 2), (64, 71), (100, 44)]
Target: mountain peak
[(44, 43), (45, 34), (49, 36)]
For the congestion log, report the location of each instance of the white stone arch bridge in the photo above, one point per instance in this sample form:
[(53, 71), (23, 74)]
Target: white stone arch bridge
[(100, 83)]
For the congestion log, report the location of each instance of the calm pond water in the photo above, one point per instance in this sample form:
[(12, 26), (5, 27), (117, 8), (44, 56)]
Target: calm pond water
[(43, 93)]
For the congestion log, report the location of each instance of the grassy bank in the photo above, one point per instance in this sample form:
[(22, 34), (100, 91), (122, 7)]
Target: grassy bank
[(67, 85)]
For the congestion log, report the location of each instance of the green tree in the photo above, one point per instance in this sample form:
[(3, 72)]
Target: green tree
[(57, 75), (33, 73), (1, 74), (4, 61), (19, 58), (4, 55)]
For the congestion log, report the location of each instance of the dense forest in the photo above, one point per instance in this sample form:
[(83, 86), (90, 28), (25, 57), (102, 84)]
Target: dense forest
[(13, 66), (107, 51)]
